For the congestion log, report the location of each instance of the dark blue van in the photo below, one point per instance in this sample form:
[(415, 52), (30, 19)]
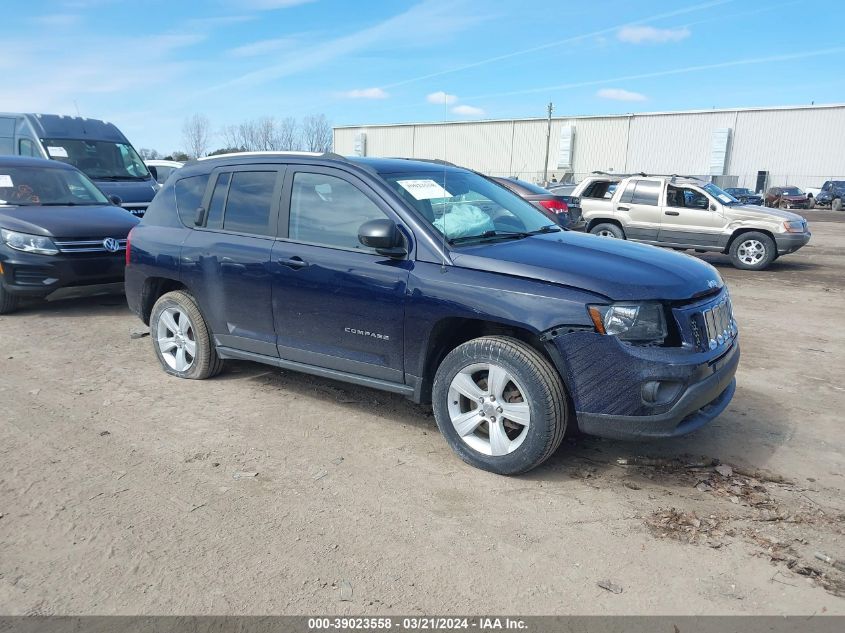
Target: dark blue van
[(95, 147)]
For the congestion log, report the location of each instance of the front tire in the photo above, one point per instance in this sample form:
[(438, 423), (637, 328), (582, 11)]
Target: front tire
[(606, 229), (8, 302), (181, 339), (753, 251), (836, 204), (500, 405)]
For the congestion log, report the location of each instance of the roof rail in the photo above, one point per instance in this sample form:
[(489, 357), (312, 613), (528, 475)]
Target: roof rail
[(436, 161), (331, 155)]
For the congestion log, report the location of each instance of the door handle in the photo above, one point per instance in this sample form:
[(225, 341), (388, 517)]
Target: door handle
[(672, 213), (623, 208), (294, 262)]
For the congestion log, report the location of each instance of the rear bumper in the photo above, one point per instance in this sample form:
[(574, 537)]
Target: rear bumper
[(31, 275), (791, 242)]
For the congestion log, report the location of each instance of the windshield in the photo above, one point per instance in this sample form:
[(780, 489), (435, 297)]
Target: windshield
[(40, 186), (739, 191), (100, 160), (466, 207), (792, 191), (722, 196)]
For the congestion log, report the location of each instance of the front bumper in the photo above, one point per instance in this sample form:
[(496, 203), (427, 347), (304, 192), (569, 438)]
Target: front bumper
[(40, 276), (610, 382), (791, 242)]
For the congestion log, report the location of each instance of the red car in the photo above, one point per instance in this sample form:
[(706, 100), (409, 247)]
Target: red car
[(786, 198)]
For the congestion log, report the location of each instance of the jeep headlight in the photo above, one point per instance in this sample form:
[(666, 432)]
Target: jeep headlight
[(632, 322), (794, 226), (29, 243)]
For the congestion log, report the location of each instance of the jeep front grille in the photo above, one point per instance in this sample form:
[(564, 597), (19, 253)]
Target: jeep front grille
[(719, 324)]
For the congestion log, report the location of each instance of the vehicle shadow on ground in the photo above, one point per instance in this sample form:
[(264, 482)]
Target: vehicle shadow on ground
[(752, 429), (106, 304), (782, 264)]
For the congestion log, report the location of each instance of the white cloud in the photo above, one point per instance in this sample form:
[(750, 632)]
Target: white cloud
[(651, 35), (365, 93), (618, 94), (467, 110), (269, 5), (263, 47), (441, 98), (58, 20)]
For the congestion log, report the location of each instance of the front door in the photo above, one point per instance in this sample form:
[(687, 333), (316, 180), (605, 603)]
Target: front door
[(688, 219), (226, 260), (639, 211), (337, 304)]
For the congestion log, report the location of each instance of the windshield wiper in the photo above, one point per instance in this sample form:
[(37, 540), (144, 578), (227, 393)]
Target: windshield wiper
[(488, 235)]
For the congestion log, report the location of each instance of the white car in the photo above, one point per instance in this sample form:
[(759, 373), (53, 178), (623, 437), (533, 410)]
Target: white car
[(161, 169)]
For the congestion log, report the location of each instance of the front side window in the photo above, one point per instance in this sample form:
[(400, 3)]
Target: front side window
[(27, 147), (39, 186), (250, 202), (685, 197), (329, 211), (100, 160), (465, 207)]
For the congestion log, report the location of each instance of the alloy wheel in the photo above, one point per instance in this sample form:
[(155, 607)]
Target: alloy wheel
[(489, 409), (751, 252), (176, 339)]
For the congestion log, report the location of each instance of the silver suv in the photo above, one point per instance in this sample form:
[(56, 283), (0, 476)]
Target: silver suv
[(687, 213)]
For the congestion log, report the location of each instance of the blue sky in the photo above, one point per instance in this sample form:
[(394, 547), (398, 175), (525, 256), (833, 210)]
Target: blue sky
[(146, 65)]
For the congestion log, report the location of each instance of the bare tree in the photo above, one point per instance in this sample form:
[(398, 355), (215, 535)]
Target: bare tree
[(195, 135), (316, 133), (148, 154), (288, 134)]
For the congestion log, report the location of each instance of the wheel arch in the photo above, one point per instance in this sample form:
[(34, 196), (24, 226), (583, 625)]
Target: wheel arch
[(596, 221), (153, 289)]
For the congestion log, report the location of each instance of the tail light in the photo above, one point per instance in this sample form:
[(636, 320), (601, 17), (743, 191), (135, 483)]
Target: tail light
[(129, 246), (555, 206)]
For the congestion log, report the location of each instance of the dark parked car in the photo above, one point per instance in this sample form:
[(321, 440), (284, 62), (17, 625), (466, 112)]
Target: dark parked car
[(745, 196), (58, 232), (831, 195), (433, 282), (786, 198), (565, 210)]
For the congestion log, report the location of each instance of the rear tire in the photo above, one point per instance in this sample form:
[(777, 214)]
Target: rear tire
[(8, 302), (836, 204), (607, 229), (181, 339), (811, 202), (500, 405), (753, 251)]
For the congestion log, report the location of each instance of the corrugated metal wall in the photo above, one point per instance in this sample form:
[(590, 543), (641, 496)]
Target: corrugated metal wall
[(801, 146)]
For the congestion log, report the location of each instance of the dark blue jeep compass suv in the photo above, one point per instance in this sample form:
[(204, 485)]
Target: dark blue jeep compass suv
[(428, 280)]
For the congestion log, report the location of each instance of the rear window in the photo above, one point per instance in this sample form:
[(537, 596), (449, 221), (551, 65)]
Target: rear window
[(528, 186), (189, 193)]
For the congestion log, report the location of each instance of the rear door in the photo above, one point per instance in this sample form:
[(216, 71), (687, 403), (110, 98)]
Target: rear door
[(638, 208), (688, 218), (226, 261), (337, 304)]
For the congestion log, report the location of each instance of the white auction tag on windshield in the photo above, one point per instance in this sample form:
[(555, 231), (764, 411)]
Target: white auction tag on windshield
[(6, 181), (424, 189), (724, 198), (57, 152)]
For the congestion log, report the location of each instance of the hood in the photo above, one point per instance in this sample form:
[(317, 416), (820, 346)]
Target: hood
[(69, 222), (129, 190), (753, 212), (617, 269)]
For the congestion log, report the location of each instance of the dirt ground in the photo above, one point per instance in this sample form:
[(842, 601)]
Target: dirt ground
[(119, 493)]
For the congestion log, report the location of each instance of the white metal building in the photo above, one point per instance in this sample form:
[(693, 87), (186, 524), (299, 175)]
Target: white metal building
[(797, 145)]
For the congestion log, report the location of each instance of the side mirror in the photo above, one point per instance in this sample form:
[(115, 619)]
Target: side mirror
[(115, 200), (384, 237), (199, 216), (713, 207), (153, 171)]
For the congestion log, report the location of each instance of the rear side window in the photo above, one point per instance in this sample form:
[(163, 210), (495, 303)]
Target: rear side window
[(249, 202), (189, 193), (646, 192), (329, 211), (214, 216), (628, 194)]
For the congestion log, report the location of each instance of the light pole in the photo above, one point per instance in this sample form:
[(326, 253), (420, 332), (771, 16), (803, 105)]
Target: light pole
[(548, 143)]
